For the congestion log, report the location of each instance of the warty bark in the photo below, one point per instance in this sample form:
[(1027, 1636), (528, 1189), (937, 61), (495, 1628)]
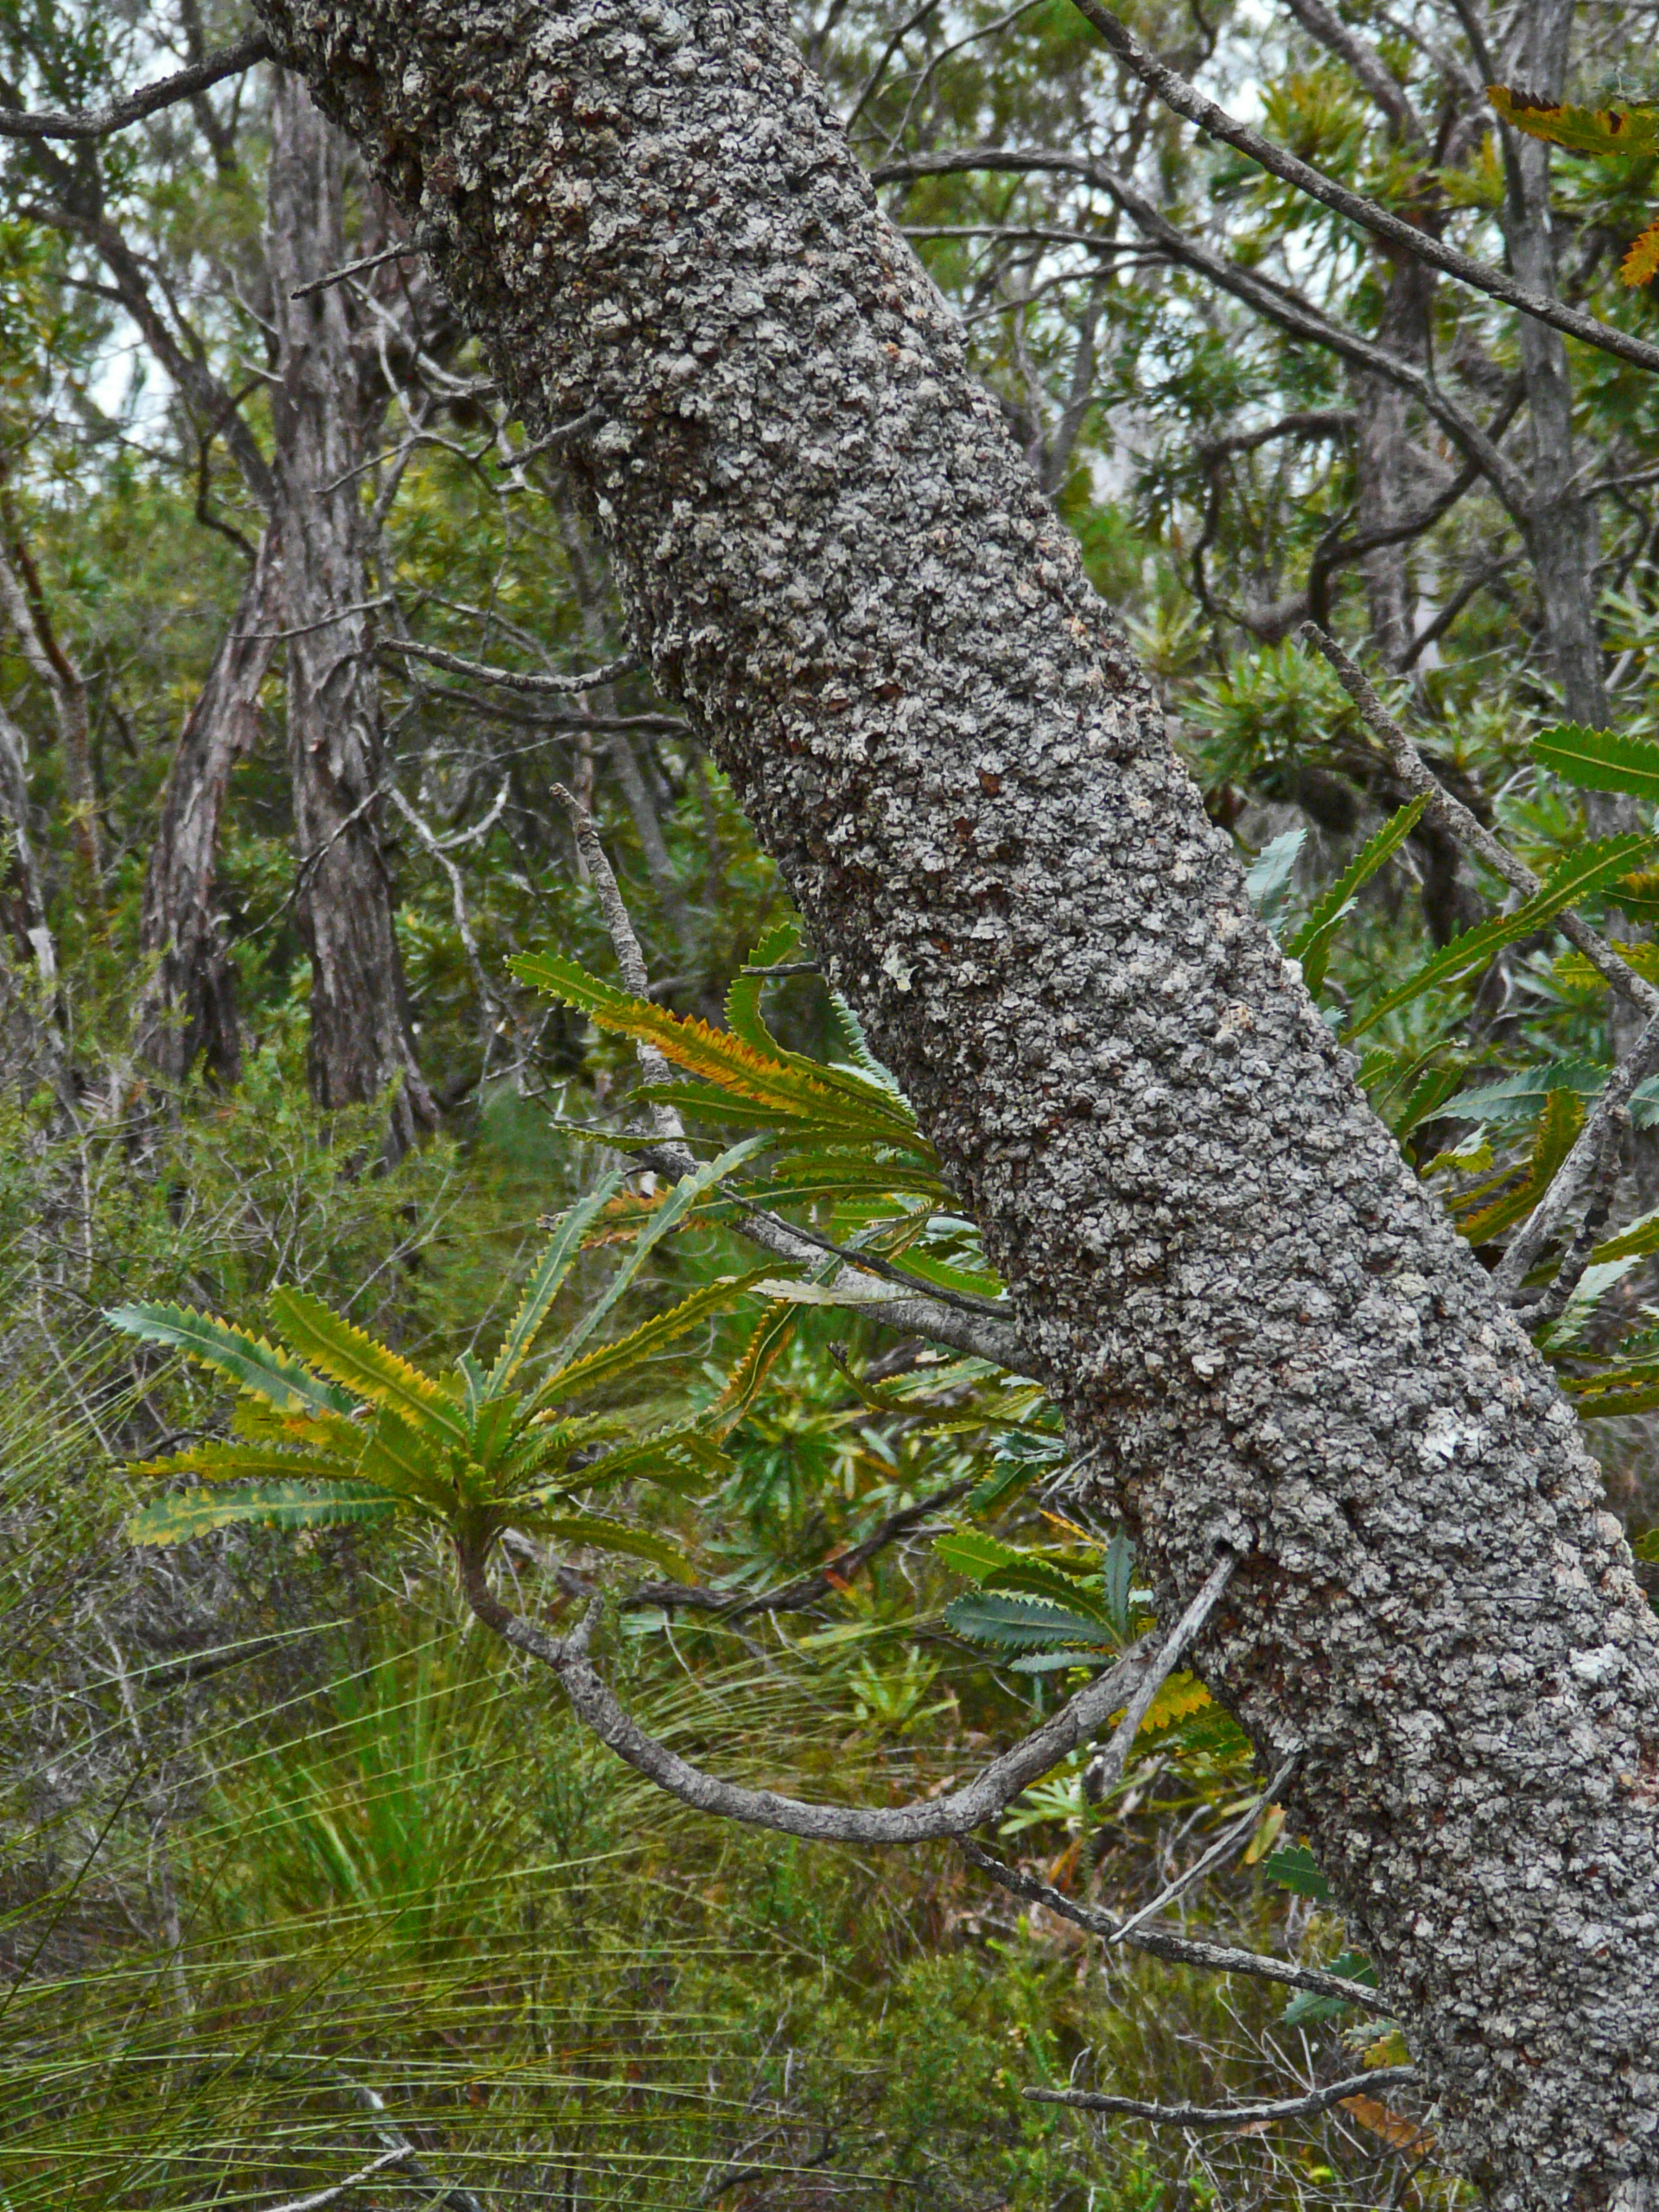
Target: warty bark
[(1231, 1282)]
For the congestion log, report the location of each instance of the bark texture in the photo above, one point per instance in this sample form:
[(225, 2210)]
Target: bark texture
[(361, 1038), (833, 556), (189, 1009)]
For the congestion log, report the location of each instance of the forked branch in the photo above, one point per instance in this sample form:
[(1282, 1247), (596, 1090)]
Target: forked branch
[(995, 1788)]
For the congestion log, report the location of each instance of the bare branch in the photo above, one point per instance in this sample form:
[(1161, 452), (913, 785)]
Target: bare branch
[(1236, 1833), (511, 679), (1187, 100), (103, 121), (356, 269), (1165, 1943), (1357, 2085), (1277, 302), (1456, 819), (344, 2188), (1105, 1770), (807, 1589)]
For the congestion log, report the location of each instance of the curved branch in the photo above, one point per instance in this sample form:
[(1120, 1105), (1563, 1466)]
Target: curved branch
[(1135, 1675), (1358, 2084), (118, 115)]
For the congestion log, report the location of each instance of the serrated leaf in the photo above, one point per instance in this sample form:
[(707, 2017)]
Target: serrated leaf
[(1182, 1698), (1519, 1096), (1296, 1868), (1580, 876), (1312, 943), (1580, 130), (271, 1505), (1307, 2005), (364, 1366), (252, 1362), (1006, 1479), (545, 1282), (1600, 759), (743, 1016), (1559, 1124), (972, 1552), (595, 1531), (667, 1216), (217, 1463), (772, 1334), (613, 1360), (1269, 878), (1022, 1623), (1641, 263)]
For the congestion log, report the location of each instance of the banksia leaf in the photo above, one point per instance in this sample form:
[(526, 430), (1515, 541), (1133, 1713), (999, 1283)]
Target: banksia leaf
[(249, 1362), (544, 1282), (1580, 130), (364, 1365), (1023, 1623), (1600, 759), (1557, 1132), (599, 1534), (1641, 264), (1589, 871), (1312, 943), (271, 1505)]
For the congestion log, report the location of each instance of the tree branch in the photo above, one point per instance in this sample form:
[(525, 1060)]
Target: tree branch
[(995, 1787), (1357, 2085), (104, 122), (1164, 1944), (511, 679), (1185, 99)]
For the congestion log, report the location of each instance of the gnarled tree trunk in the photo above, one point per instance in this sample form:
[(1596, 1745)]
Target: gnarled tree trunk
[(1242, 1298), (361, 1038), (188, 1007)]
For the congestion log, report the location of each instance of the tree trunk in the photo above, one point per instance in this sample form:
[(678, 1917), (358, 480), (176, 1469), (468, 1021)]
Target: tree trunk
[(361, 1038), (188, 1007), (1243, 1300), (1561, 531), (22, 895)]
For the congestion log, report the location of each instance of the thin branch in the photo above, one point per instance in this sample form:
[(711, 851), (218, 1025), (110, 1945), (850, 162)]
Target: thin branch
[(356, 269), (1236, 1833), (995, 1787), (807, 1589), (1357, 2085), (344, 2188), (103, 121), (1277, 302), (510, 679), (589, 420), (1458, 821), (1105, 1769), (1185, 99), (1164, 1942)]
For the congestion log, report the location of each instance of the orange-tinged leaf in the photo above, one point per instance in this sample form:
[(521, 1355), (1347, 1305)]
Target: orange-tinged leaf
[(1393, 2126), (1641, 264)]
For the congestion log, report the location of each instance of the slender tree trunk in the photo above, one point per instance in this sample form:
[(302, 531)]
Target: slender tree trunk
[(24, 608), (1245, 1303), (361, 1038), (189, 1008), (23, 894), (1561, 531)]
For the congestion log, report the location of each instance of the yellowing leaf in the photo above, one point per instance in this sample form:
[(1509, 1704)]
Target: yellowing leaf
[(1580, 130), (1641, 264), (1393, 2126)]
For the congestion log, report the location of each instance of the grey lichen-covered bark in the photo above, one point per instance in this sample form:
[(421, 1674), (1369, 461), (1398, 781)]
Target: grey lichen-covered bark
[(361, 1038), (187, 1010), (1232, 1283)]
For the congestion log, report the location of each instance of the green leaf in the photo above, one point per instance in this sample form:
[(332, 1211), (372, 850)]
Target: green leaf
[(1587, 872), (544, 1282), (271, 1505), (1518, 1097), (248, 1361), (972, 1552), (1557, 1133), (248, 1462), (1269, 878), (1312, 943), (602, 1535), (1023, 1623), (1307, 2007), (1296, 1868), (373, 1371), (773, 1335), (1600, 759), (743, 1016), (666, 1217), (642, 1343), (1580, 130)]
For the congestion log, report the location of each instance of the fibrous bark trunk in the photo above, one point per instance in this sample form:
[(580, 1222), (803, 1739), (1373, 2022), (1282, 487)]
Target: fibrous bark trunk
[(189, 1008), (360, 1036), (1240, 1295)]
